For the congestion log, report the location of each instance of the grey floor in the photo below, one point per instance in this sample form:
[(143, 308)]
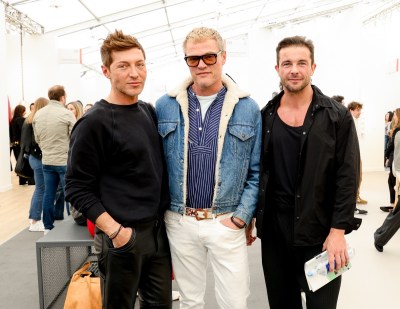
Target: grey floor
[(19, 285), (372, 283)]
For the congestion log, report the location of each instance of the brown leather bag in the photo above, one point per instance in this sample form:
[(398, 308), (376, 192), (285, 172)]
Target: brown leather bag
[(83, 290)]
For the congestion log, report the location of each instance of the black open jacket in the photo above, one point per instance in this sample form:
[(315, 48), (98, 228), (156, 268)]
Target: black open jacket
[(328, 173)]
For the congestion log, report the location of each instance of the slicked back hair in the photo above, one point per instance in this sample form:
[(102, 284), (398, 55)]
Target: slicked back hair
[(295, 41)]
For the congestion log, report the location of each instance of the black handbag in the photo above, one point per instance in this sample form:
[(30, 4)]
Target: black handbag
[(22, 168)]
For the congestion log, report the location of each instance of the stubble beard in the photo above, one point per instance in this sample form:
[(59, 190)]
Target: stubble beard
[(298, 88)]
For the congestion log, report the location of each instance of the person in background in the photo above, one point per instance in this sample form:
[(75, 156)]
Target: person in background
[(117, 178), (388, 121), (211, 132), (76, 109), (389, 156), (338, 98), (392, 222), (15, 138), (87, 107), (31, 107), (31, 148), (355, 110), (308, 181), (52, 126)]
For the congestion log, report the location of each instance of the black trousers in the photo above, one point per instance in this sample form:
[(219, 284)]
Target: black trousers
[(391, 184), (389, 227), (142, 265), (285, 279)]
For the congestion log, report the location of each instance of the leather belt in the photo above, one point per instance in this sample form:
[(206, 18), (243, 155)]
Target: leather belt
[(201, 213)]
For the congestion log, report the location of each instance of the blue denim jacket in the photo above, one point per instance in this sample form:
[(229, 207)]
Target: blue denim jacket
[(238, 153)]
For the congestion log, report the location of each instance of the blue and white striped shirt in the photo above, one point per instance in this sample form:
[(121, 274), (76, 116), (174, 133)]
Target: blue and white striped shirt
[(202, 156)]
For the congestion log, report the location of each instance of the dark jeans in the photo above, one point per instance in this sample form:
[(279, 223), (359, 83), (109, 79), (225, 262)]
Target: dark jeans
[(283, 266), (53, 175), (142, 265), (35, 211)]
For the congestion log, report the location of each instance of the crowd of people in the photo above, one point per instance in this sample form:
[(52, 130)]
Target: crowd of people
[(183, 184), (43, 136)]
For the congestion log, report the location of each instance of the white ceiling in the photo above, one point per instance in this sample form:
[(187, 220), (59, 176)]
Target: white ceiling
[(162, 25)]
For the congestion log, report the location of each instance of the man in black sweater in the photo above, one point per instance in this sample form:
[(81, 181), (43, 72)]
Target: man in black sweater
[(116, 178)]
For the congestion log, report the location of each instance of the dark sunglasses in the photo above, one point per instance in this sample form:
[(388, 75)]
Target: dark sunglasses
[(209, 59)]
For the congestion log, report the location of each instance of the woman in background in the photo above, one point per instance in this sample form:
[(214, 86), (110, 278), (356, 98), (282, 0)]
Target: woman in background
[(15, 137), (388, 121), (76, 109), (30, 147), (389, 154), (391, 224)]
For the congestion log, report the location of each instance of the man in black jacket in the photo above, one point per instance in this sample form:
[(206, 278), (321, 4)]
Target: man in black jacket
[(308, 181), (117, 178)]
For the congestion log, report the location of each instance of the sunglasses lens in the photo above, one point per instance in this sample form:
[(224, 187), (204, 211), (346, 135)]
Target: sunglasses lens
[(193, 61), (210, 59)]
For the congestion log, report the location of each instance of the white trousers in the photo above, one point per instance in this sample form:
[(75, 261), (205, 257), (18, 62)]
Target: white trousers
[(191, 242)]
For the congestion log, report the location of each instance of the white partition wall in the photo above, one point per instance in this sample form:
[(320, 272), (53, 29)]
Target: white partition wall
[(5, 176), (43, 65), (356, 60)]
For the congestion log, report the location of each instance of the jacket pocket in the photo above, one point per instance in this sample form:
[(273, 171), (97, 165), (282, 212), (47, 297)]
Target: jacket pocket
[(241, 139), (165, 129)]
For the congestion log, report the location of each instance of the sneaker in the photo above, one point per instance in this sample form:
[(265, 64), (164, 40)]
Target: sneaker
[(360, 211), (36, 227), (176, 295), (46, 232), (386, 208), (361, 201)]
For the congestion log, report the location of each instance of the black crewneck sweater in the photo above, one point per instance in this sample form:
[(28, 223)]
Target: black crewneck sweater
[(115, 164)]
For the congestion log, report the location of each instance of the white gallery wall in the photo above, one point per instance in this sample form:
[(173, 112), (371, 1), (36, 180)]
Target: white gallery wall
[(353, 59)]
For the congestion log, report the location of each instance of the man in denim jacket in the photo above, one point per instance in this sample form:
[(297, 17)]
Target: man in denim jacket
[(211, 132)]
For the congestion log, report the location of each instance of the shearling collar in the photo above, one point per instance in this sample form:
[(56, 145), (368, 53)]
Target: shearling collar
[(233, 89)]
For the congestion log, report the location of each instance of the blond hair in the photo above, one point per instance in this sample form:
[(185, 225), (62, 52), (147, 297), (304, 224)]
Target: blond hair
[(38, 104), (394, 124), (201, 34), (78, 108)]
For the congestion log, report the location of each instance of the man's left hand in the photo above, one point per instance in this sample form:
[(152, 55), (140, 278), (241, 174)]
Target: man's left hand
[(336, 247)]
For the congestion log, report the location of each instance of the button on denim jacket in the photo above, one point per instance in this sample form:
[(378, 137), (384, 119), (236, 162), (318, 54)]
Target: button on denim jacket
[(238, 153)]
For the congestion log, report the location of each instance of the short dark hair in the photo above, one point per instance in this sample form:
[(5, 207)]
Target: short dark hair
[(354, 105), (118, 41), (56, 92), (338, 98), (295, 41)]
